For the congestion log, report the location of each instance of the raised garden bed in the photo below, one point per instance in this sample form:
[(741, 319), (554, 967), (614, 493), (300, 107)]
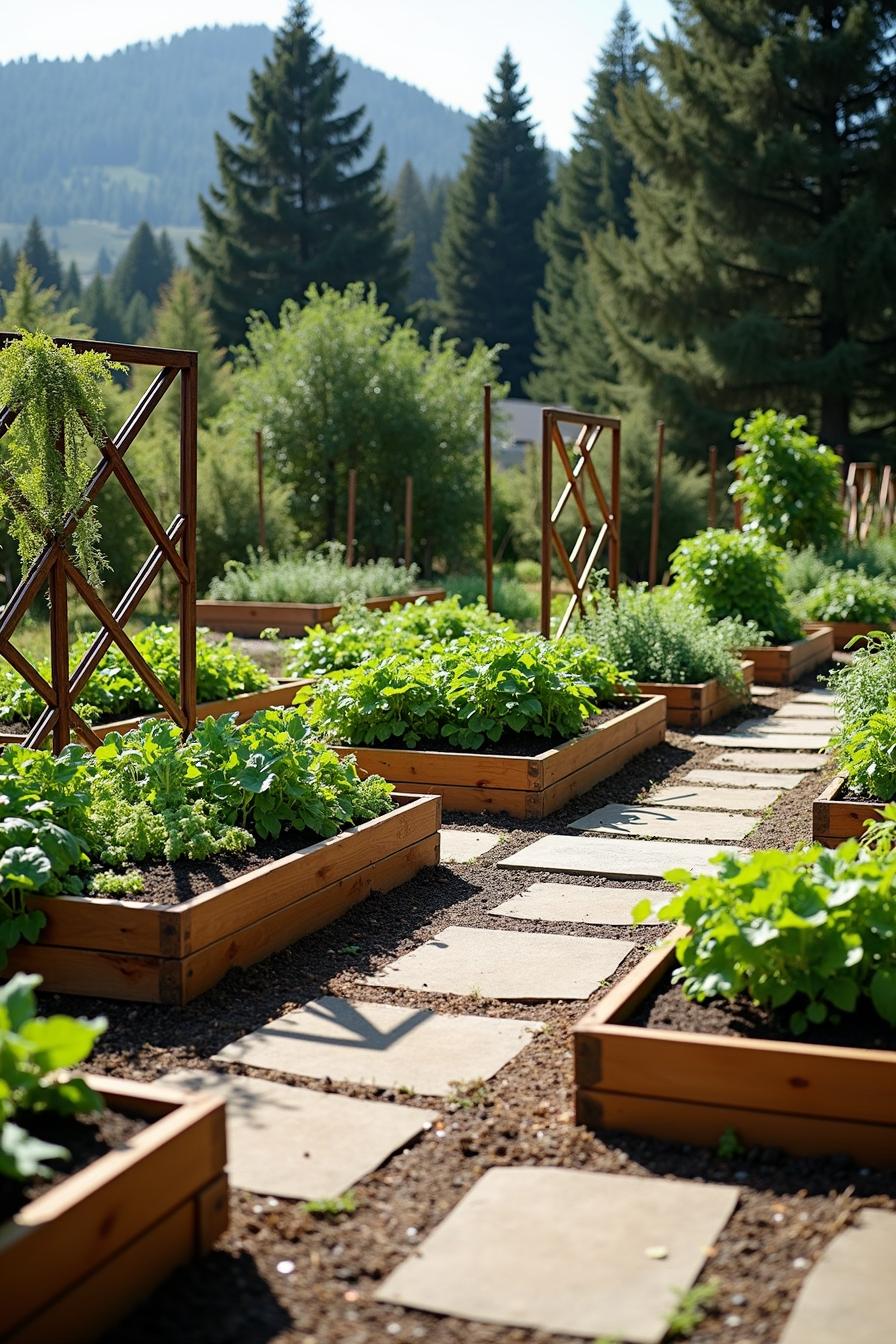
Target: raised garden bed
[(786, 664), (244, 706), (129, 949), (846, 631), (695, 704), (291, 618), (77, 1258), (691, 1087), (836, 818), (524, 785)]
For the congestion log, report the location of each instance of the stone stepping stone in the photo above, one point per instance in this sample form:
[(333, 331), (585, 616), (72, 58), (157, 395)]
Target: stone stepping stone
[(715, 799), (298, 1144), (760, 692), (758, 742), (659, 823), (820, 696), (810, 710), (602, 857), (566, 903), (808, 727), (567, 1252), (850, 1293), (466, 846), (382, 1046), (499, 964), (764, 760), (738, 779)]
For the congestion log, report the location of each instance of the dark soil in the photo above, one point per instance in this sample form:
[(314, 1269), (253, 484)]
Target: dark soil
[(86, 1137)]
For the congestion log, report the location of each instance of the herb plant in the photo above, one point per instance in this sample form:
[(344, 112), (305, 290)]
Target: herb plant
[(809, 568), (788, 483), (32, 1051), (318, 576), (865, 746), (739, 575), (851, 595)]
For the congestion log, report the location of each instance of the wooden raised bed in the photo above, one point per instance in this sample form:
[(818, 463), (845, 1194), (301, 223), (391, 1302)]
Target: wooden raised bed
[(290, 618), (785, 664), (522, 786), (695, 704), (79, 1257), (834, 818), (846, 631), (689, 1087), (244, 706), (123, 949)]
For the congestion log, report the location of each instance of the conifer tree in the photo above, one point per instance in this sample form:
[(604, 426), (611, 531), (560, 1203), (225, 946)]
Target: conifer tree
[(71, 290), (35, 307), (414, 225), (293, 205), (183, 322), (103, 263), (489, 263), (764, 266), (40, 256), (572, 358), (7, 265), (143, 268), (99, 306)]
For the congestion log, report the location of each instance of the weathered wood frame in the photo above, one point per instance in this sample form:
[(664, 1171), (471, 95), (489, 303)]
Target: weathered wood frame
[(696, 704), (835, 819), (290, 618), (175, 545), (78, 1258), (786, 664), (122, 949), (846, 631), (690, 1088)]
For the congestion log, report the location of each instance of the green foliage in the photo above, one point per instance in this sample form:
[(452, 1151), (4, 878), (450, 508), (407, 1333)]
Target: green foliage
[(30, 305), (116, 884), (851, 595), (332, 1208), (729, 1145), (865, 746), (690, 1310), (358, 635), (55, 392), (808, 569), (32, 1051), (813, 930), (788, 483), (512, 599), (318, 576), (661, 637), (475, 690), (736, 574)]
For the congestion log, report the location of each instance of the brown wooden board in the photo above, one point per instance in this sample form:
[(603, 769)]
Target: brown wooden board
[(124, 949), (695, 704), (785, 664), (835, 819), (522, 786), (846, 631), (690, 1087), (291, 618), (244, 706), (78, 1258)]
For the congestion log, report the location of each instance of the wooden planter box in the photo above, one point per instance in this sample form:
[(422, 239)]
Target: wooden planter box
[(834, 819), (78, 1258), (290, 618), (846, 631), (695, 704), (244, 706), (689, 1087), (122, 949), (785, 664), (523, 786)]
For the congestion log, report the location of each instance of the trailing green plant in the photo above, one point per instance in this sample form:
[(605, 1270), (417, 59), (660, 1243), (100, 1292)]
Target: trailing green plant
[(813, 930), (475, 690), (739, 575), (33, 1050), (317, 576), (851, 595), (865, 745), (58, 397), (358, 633), (787, 482)]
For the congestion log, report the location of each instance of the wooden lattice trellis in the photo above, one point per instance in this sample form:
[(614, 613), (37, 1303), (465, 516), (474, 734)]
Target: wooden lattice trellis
[(175, 545), (580, 560)]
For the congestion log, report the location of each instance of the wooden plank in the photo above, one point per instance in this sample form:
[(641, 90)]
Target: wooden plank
[(421, 770), (113, 924), (846, 631), (292, 618), (783, 664), (606, 765), (835, 819), (559, 762), (75, 970), (212, 1213)]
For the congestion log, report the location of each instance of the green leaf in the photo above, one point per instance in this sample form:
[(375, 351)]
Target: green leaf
[(883, 993)]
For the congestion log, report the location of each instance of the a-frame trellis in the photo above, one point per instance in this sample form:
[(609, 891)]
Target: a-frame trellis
[(175, 545)]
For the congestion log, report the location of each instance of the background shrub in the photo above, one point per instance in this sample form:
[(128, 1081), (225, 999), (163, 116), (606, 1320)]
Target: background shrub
[(851, 595), (318, 576), (787, 482), (736, 574)]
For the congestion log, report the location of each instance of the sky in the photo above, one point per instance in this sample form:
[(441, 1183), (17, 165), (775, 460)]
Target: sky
[(450, 49)]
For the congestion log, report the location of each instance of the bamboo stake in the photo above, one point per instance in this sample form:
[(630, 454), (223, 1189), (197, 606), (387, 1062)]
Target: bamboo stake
[(487, 476), (657, 499), (259, 467)]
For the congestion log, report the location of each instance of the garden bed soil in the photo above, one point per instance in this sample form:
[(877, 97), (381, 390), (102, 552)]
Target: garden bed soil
[(846, 631), (88, 1247), (786, 664), (692, 1085), (838, 815), (696, 704), (172, 946), (291, 618), (529, 784)]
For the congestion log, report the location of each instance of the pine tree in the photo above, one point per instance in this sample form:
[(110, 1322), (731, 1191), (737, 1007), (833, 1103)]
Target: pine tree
[(293, 207), (183, 322), (572, 358), (100, 307), (71, 290), (40, 256), (413, 224), (103, 262), (34, 307), (488, 263), (7, 265), (764, 266), (143, 268)]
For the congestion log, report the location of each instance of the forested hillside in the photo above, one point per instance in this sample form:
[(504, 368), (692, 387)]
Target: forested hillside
[(130, 136)]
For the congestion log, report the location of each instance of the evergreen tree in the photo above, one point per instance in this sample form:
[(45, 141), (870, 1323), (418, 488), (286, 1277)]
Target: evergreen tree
[(488, 262), (293, 207), (413, 224), (103, 262), (764, 266), (100, 307), (34, 307), (183, 322), (7, 265), (592, 190), (143, 268), (40, 256), (71, 290)]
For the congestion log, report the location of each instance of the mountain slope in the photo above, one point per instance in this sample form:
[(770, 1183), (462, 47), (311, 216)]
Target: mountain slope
[(131, 136)]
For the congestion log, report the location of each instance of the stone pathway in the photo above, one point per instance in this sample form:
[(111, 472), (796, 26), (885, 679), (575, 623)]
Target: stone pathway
[(752, 759), (459, 846), (714, 799), (754, 779), (620, 858), (567, 903), (850, 1294), (660, 823)]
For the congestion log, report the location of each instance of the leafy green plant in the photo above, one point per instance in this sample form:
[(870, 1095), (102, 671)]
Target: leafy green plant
[(809, 568), (788, 483), (851, 595), (813, 930), (511, 597), (691, 1309), (32, 1051), (729, 1145), (58, 397), (467, 693), (332, 1208), (736, 574), (865, 746), (318, 576)]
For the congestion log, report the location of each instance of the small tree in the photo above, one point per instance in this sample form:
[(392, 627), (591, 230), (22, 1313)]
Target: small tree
[(787, 482), (31, 306)]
